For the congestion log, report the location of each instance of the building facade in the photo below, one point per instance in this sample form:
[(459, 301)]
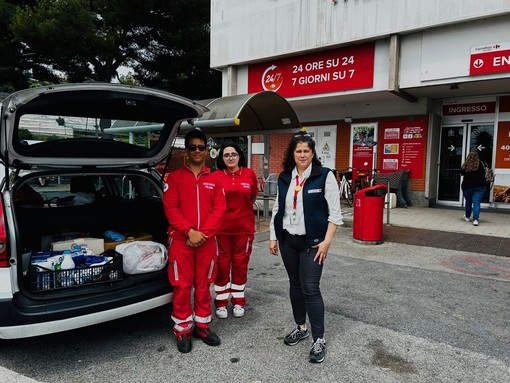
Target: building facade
[(387, 84)]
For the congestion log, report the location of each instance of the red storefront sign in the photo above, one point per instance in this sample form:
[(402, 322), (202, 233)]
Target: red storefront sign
[(492, 58), (402, 146), (503, 146), (325, 72), (504, 104), (471, 108)]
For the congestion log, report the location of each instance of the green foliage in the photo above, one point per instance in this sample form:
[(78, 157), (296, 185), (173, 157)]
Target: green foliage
[(13, 65), (129, 79), (60, 121), (36, 83), (25, 134), (177, 50), (166, 43)]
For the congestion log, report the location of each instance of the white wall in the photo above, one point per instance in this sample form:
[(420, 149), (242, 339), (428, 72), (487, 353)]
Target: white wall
[(244, 31), (442, 54)]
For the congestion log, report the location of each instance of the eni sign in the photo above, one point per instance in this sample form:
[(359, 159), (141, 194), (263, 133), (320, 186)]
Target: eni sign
[(490, 58)]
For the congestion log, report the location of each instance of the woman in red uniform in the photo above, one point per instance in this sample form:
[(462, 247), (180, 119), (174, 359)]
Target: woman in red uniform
[(235, 237)]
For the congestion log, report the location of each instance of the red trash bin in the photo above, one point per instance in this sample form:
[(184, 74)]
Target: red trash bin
[(368, 214)]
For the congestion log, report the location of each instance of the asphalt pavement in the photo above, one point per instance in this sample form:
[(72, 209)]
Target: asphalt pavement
[(406, 310)]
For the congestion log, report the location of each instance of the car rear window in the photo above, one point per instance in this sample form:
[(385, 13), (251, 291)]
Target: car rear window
[(99, 124)]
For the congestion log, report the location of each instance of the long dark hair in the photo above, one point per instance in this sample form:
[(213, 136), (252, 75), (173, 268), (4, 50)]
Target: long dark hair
[(472, 162), (288, 162), (220, 164)]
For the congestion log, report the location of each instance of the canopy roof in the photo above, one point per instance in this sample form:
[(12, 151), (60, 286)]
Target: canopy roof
[(255, 113)]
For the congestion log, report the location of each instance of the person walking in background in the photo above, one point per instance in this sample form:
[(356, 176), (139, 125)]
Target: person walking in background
[(473, 185), (236, 234), (304, 221), (194, 205)]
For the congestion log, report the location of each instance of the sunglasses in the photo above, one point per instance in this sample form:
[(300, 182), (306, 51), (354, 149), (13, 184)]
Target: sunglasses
[(303, 135), (230, 155), (192, 148)]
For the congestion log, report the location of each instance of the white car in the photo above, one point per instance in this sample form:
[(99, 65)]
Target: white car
[(98, 144)]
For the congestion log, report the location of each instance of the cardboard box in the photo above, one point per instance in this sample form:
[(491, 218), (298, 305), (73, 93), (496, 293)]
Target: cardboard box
[(130, 237), (96, 245)]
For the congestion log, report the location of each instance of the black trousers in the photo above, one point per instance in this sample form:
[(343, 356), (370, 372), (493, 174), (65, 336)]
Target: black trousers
[(304, 277)]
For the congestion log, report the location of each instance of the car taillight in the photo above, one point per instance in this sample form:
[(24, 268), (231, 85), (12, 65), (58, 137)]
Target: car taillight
[(4, 256)]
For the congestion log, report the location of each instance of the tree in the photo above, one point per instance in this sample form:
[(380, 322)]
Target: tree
[(25, 134), (13, 65), (83, 39), (165, 42), (174, 52)]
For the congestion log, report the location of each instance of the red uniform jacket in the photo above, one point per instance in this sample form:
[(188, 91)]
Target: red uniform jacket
[(239, 189), (196, 202)]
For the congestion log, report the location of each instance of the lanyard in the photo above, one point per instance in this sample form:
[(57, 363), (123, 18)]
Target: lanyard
[(298, 187)]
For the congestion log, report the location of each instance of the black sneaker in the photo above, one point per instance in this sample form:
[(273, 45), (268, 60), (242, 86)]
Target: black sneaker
[(295, 336), (207, 336), (318, 351), (184, 342)]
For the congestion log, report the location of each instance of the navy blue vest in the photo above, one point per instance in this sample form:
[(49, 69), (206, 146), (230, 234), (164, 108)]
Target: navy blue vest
[(315, 205)]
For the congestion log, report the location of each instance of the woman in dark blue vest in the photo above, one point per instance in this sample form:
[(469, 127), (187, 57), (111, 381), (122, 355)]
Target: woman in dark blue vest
[(305, 216)]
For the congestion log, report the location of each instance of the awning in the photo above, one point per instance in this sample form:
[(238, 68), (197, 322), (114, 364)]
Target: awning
[(255, 113)]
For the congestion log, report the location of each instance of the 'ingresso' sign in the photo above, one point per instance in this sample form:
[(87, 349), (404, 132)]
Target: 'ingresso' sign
[(472, 108)]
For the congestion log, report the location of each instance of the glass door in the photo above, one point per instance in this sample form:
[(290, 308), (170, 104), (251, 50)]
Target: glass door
[(451, 154), (481, 139), (456, 142)]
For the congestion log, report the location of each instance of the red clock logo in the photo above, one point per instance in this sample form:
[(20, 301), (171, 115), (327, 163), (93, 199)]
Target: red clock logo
[(271, 79)]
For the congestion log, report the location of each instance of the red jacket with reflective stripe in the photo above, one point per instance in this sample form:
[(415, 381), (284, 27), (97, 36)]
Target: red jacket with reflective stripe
[(191, 201), (239, 188)]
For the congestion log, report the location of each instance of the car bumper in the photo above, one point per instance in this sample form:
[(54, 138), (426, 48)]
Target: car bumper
[(21, 318)]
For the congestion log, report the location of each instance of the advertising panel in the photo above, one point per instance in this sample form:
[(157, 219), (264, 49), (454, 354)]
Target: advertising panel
[(363, 142), (501, 189), (323, 72), (402, 146)]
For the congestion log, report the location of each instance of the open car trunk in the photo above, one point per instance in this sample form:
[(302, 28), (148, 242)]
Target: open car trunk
[(76, 166), (79, 208)]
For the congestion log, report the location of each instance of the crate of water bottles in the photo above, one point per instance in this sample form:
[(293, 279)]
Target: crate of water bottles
[(52, 270)]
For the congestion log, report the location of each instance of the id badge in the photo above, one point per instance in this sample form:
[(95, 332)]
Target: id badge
[(293, 219)]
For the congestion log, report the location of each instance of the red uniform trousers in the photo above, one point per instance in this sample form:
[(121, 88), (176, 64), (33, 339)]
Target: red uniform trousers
[(191, 268), (232, 273)]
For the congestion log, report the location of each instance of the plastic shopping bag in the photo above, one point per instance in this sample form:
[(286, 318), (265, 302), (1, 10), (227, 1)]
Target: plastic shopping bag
[(142, 256)]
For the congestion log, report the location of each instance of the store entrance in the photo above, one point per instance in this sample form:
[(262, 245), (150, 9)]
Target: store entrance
[(456, 142)]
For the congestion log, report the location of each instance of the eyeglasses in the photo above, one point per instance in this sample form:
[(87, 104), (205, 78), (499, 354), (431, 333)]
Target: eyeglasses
[(230, 155), (193, 147)]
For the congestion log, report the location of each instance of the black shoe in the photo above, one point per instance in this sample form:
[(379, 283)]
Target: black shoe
[(318, 351), (184, 342), (295, 336), (207, 336)]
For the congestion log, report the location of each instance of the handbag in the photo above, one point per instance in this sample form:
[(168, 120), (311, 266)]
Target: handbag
[(489, 173)]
